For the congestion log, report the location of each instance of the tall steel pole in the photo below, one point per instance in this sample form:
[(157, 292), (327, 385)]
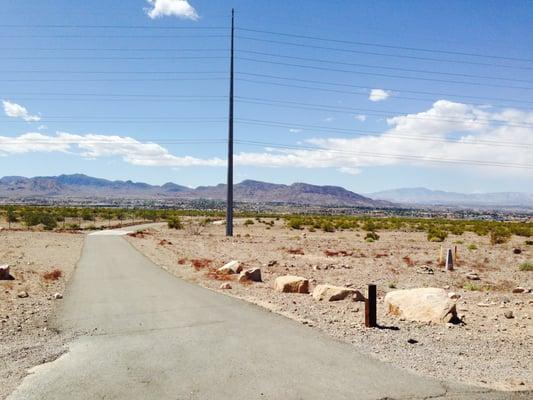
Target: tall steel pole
[(229, 202)]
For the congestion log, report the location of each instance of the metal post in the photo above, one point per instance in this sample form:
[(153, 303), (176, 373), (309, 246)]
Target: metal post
[(449, 261), (229, 200), (370, 307)]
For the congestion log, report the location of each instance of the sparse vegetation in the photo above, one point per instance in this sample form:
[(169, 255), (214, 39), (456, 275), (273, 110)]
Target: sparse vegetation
[(371, 237), (174, 223), (499, 236), (249, 222), (437, 235), (526, 266), (472, 247)]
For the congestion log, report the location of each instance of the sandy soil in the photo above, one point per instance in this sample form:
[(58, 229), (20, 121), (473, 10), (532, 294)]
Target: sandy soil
[(487, 350), (25, 338)]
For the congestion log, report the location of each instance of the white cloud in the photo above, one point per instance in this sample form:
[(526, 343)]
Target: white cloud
[(328, 119), (93, 146), (360, 117), (379, 95), (167, 8), (295, 130), (447, 130), (15, 110), (42, 128)]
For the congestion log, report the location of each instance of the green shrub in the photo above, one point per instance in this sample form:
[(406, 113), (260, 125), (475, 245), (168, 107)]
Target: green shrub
[(472, 247), (526, 266), (249, 222), (499, 236), (175, 223), (472, 287), (49, 222), (529, 242), (437, 235), (327, 226), (373, 236), (295, 223)]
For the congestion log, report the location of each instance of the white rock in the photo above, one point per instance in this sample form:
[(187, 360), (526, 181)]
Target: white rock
[(221, 222), (22, 294), (233, 267), (472, 276), (225, 285), (58, 296), (421, 304), (334, 293), (291, 284)]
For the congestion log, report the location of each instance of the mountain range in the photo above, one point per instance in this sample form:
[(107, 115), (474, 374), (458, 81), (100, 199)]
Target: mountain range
[(423, 196), (79, 186)]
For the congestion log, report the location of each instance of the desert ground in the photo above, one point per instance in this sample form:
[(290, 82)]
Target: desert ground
[(491, 347), (40, 265)]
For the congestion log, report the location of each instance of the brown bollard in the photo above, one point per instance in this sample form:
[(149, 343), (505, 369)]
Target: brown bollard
[(370, 307)]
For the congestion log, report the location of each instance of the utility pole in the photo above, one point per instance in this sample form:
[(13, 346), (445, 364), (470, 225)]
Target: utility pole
[(229, 200)]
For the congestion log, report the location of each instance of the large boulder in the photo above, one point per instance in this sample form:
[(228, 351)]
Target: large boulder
[(334, 293), (233, 267), (291, 284), (4, 272), (421, 304)]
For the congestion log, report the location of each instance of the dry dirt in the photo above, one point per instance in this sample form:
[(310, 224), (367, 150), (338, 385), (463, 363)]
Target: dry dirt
[(25, 338), (488, 349)]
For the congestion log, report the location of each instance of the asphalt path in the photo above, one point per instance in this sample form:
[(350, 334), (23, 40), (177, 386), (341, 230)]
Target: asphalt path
[(149, 335)]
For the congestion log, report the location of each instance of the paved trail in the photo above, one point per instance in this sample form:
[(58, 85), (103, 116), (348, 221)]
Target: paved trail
[(153, 336)]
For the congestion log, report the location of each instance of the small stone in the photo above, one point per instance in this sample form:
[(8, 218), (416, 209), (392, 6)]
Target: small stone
[(412, 341), (517, 251), (472, 276), (334, 293), (22, 294), (508, 314), (225, 285), (272, 263), (520, 289), (454, 296), (58, 296)]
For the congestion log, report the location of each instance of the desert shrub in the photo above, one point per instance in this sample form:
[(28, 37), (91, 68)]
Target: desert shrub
[(52, 275), (249, 222), (526, 266), (499, 236), (295, 223), (49, 221), (73, 226), (174, 223), (392, 285), (312, 229), (298, 251), (194, 229), (436, 235), (372, 235), (529, 242), (472, 247), (327, 226)]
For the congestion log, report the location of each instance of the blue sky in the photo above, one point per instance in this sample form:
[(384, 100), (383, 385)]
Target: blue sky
[(366, 95)]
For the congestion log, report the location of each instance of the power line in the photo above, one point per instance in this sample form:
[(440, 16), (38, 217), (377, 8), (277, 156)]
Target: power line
[(391, 156), (367, 88), (380, 134), (401, 56), (177, 58), (111, 36), (77, 26), (383, 75), (321, 60), (359, 43), (350, 110)]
